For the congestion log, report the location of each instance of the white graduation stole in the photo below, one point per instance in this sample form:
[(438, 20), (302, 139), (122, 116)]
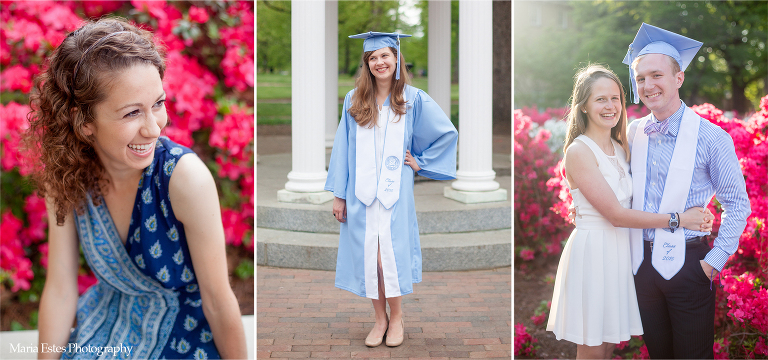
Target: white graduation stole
[(668, 254), (387, 188)]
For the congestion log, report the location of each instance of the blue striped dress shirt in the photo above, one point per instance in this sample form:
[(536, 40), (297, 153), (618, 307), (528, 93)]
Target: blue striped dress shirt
[(716, 171)]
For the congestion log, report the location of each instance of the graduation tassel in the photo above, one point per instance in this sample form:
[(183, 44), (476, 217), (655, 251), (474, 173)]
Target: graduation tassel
[(397, 75)]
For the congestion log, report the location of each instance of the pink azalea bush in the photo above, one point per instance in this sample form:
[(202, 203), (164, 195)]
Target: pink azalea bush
[(538, 231), (524, 342), (741, 316), (209, 82)]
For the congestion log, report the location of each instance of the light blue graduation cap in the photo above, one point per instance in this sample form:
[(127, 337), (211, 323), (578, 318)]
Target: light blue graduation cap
[(654, 40), (377, 40)]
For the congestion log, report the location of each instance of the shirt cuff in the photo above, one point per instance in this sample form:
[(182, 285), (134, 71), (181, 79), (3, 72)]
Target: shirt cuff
[(717, 258)]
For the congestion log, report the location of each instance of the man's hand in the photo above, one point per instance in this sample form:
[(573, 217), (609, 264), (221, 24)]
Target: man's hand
[(708, 270)]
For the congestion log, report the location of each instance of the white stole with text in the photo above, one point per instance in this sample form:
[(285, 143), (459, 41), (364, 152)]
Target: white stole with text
[(668, 254), (387, 187)]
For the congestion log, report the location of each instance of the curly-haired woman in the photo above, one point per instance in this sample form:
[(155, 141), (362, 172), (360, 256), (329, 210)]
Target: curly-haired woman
[(144, 209)]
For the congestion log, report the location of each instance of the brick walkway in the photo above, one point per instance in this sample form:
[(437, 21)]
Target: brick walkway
[(463, 314)]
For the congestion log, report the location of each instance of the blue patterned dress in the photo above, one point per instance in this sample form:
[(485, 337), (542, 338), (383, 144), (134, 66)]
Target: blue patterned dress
[(147, 297)]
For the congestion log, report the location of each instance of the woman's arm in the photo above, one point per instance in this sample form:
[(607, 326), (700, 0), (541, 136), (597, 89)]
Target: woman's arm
[(583, 173), (196, 204), (58, 303)]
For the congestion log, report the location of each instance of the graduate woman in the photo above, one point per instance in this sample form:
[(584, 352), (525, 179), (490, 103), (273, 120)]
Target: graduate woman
[(388, 131), (144, 209)]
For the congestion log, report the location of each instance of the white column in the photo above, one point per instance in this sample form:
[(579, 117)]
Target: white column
[(439, 54), (475, 177), (307, 177), (331, 71)]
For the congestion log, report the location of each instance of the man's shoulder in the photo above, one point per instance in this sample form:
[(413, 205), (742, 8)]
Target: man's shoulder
[(709, 130)]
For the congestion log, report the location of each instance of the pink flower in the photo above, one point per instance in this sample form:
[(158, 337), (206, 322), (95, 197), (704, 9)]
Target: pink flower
[(16, 77), (85, 281), (523, 342), (198, 14), (526, 254), (95, 9), (24, 30), (148, 5), (538, 320)]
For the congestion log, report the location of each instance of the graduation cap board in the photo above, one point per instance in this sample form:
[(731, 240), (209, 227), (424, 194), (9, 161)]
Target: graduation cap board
[(653, 40), (377, 40)]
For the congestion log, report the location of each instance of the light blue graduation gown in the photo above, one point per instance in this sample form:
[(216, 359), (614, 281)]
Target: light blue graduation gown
[(431, 139)]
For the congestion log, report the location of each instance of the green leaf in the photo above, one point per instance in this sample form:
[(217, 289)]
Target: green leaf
[(245, 269)]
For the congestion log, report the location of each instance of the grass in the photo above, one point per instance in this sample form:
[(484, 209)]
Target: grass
[(278, 87)]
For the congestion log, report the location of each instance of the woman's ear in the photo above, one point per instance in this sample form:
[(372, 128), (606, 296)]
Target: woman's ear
[(86, 129)]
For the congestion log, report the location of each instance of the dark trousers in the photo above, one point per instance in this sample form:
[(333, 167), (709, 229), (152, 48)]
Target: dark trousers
[(678, 314)]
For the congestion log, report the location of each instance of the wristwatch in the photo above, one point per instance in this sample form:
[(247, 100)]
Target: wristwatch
[(674, 222)]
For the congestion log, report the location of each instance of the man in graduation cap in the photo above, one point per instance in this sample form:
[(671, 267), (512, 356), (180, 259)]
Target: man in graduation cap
[(679, 161)]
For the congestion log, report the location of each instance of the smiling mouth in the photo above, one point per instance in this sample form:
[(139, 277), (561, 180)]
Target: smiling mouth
[(381, 70), (608, 115), (653, 96), (141, 149)]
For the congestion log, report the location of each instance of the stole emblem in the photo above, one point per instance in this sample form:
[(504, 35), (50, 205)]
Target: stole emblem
[(392, 163)]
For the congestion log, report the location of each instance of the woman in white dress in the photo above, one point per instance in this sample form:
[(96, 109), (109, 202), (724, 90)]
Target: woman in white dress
[(594, 303)]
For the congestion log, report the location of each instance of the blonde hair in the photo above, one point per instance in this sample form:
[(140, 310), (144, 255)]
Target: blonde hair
[(364, 99), (578, 121)]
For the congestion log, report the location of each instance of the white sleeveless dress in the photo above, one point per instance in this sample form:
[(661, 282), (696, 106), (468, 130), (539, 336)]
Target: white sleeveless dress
[(594, 299)]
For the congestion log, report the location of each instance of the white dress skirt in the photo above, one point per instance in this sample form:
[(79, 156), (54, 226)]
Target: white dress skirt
[(594, 299)]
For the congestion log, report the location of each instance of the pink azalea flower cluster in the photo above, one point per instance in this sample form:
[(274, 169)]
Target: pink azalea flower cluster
[(189, 86), (234, 136), (523, 345), (543, 313), (13, 259), (748, 300), (18, 241), (537, 229), (720, 348), (238, 60), (14, 123)]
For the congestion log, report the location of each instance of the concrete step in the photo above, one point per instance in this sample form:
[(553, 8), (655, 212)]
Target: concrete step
[(440, 252), (435, 213)]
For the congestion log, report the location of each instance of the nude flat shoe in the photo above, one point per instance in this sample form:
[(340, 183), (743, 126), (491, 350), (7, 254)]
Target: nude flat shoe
[(374, 342), (392, 342)]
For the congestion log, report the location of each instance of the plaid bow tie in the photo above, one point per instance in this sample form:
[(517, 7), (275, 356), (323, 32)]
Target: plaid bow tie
[(656, 126)]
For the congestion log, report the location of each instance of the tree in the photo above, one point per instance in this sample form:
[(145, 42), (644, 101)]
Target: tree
[(729, 71), (273, 35)]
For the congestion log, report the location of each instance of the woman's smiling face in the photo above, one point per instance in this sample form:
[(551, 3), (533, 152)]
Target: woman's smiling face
[(382, 64), (128, 122), (603, 107)]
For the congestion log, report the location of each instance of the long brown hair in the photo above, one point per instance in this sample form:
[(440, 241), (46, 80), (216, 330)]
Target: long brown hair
[(582, 89), (62, 105), (364, 99)]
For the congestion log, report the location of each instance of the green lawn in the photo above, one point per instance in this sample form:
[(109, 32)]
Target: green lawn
[(276, 86)]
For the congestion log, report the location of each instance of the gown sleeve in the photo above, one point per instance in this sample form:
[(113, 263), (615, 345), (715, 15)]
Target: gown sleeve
[(434, 139), (338, 168)]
